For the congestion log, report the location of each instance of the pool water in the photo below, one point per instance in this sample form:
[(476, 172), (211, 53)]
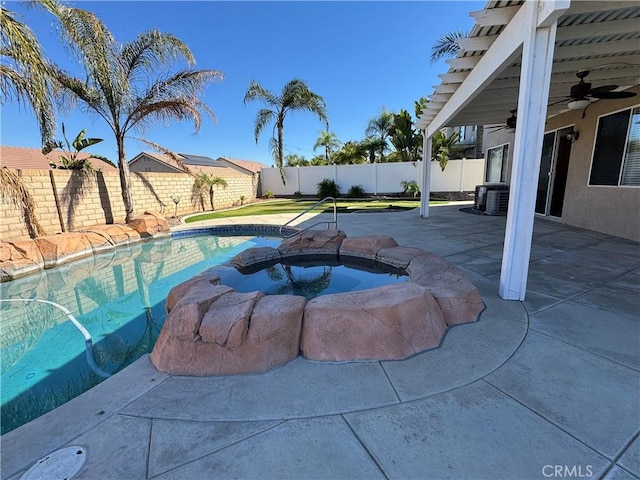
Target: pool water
[(310, 281), (119, 298)]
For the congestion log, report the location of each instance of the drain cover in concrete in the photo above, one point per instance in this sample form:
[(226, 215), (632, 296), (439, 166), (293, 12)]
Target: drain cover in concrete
[(62, 464)]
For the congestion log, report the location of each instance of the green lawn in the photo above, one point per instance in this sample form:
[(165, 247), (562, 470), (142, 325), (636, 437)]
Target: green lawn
[(299, 206)]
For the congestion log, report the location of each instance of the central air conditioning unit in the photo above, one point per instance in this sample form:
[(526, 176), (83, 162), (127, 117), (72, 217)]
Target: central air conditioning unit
[(491, 199)]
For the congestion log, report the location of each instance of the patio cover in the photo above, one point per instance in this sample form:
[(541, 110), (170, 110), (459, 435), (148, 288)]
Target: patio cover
[(523, 55)]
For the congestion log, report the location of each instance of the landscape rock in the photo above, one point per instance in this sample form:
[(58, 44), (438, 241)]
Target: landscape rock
[(365, 247), (116, 234), (399, 257), (383, 323), (13, 264), (313, 242), (255, 257), (257, 340), (149, 224), (61, 248)]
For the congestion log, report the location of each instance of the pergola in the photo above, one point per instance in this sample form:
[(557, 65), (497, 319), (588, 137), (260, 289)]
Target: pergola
[(519, 55)]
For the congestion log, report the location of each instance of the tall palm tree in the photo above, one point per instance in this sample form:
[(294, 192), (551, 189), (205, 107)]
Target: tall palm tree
[(295, 95), (24, 73), (379, 127), (329, 141), (125, 84), (447, 45)]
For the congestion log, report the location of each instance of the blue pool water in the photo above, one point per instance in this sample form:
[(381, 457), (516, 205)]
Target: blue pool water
[(118, 296), (310, 281)]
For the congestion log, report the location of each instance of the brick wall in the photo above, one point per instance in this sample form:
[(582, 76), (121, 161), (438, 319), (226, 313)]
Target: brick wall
[(78, 199)]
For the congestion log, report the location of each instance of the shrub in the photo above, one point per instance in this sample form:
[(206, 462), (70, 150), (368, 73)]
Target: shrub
[(328, 188), (411, 186), (356, 191), (268, 194)]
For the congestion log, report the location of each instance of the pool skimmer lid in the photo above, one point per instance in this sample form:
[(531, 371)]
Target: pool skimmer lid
[(62, 464)]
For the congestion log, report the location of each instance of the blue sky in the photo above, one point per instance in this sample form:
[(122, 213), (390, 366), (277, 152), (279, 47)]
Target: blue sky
[(359, 56)]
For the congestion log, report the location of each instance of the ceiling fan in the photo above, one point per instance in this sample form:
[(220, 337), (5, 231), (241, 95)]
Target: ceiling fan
[(510, 123), (581, 93)]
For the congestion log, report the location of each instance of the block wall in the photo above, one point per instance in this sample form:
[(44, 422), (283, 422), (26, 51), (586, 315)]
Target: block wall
[(68, 200)]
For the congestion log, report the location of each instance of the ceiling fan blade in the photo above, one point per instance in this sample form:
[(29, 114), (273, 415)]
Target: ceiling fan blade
[(558, 102), (613, 95), (603, 88)]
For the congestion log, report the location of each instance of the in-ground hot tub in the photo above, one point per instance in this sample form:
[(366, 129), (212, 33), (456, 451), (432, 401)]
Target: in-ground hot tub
[(212, 329)]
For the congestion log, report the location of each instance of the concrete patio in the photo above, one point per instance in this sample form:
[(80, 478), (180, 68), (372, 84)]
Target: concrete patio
[(546, 388)]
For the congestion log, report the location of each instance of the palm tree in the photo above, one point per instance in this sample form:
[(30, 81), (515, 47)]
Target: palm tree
[(379, 127), (24, 73), (447, 45), (124, 84), (329, 141), (295, 95), (372, 145), (442, 147), (405, 139), (206, 182)]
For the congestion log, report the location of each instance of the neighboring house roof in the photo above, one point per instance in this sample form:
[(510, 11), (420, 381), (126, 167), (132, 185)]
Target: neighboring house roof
[(21, 158), (243, 165), (194, 163)]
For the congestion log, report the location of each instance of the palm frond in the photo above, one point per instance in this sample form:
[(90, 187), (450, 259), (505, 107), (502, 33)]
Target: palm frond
[(24, 75), (447, 45), (14, 190), (152, 50), (263, 118), (255, 91)]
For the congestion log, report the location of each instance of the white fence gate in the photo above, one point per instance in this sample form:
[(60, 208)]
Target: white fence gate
[(375, 178)]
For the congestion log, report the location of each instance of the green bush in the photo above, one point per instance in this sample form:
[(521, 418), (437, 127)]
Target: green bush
[(328, 188), (411, 186), (268, 194), (356, 191)]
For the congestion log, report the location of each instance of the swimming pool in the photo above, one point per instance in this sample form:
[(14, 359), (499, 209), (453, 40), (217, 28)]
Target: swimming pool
[(119, 298)]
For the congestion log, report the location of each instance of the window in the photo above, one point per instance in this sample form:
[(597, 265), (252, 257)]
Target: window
[(497, 164), (616, 157)]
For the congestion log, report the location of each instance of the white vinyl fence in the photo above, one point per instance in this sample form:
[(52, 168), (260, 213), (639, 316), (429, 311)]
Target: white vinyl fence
[(375, 178)]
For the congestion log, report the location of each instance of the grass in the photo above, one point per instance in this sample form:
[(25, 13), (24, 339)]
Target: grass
[(299, 206)]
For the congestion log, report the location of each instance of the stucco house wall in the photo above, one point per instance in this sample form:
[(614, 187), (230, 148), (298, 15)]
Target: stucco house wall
[(606, 209)]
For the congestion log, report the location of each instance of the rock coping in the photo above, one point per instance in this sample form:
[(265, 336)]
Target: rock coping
[(26, 256), (211, 329)]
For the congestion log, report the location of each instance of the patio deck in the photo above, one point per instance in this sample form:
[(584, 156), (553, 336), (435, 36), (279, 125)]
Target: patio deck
[(545, 388)]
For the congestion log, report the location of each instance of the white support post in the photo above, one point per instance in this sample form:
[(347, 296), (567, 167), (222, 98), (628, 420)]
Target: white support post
[(425, 188), (537, 60)]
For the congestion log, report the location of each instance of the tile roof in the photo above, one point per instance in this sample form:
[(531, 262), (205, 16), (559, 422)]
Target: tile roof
[(21, 158)]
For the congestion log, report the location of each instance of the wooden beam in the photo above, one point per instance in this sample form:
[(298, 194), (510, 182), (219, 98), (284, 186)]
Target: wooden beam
[(445, 88), (580, 7), (475, 44), (440, 97), (593, 49), (456, 77), (599, 29), (537, 58), (463, 63), (494, 16)]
